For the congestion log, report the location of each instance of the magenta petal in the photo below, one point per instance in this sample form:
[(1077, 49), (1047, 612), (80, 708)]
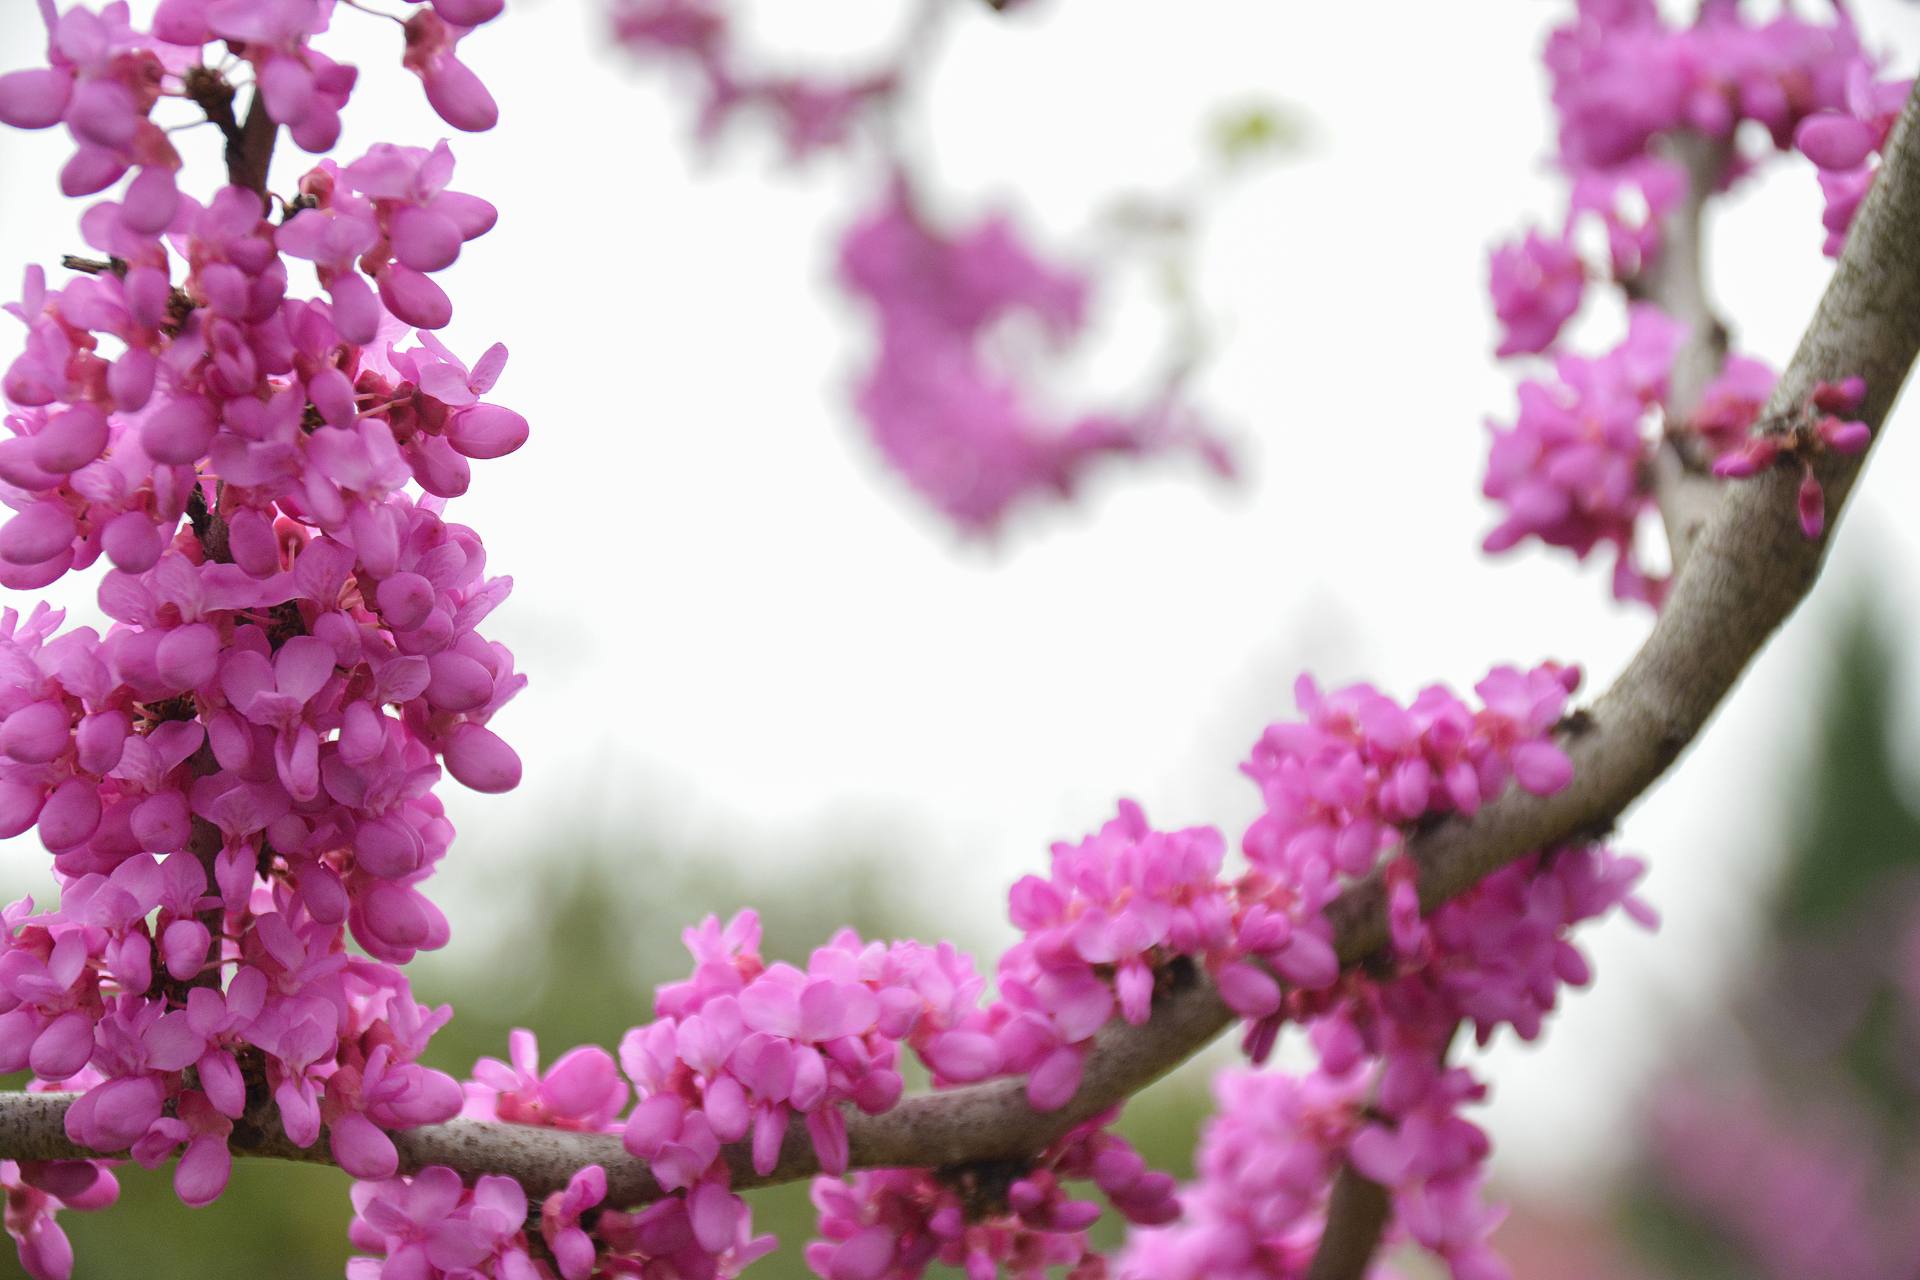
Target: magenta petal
[(36, 733), (1249, 990), (151, 201), (287, 85), (715, 1215), (1054, 1082), (1812, 503), (769, 1133), (867, 1256), (414, 298), (828, 1128), (35, 99), (478, 758), (487, 431), (203, 1171), (471, 13), (424, 240), (39, 532), (1308, 960), (302, 666), (179, 431), (361, 1148), (356, 312), (962, 1056), (70, 815), (71, 440), (1542, 768), (63, 1047), (132, 541), (457, 94), (1834, 141)]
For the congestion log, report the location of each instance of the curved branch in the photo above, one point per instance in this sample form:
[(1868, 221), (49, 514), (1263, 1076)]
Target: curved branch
[(1748, 570)]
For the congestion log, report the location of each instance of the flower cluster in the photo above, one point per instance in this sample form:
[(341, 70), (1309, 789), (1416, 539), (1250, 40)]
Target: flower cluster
[(1382, 1098), (959, 427), (105, 76), (742, 1048), (237, 776), (1572, 470), (813, 113), (432, 1225), (1119, 907), (737, 1052), (1818, 429), (1627, 84), (1345, 788), (1650, 128), (962, 425), (892, 1224)]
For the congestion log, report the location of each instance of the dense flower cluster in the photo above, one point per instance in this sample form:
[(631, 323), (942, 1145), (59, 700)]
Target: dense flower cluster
[(892, 1224), (1382, 1097), (1572, 469), (737, 1053), (742, 1049), (1626, 84), (964, 426), (1343, 789), (432, 1225), (237, 777), (1647, 110)]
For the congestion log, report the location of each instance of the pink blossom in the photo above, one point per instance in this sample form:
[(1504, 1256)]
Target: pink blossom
[(582, 1090), (1572, 468), (35, 1192), (1537, 285), (1844, 141), (961, 432)]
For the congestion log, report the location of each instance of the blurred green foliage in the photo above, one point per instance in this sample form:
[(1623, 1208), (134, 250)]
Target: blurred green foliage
[(1257, 131), (584, 953)]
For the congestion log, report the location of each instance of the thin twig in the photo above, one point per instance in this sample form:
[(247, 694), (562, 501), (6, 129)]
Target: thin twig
[(249, 144), (1356, 1216), (1675, 281)]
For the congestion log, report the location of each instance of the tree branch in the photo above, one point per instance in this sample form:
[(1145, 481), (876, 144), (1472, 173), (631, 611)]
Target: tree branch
[(1356, 1216), (1748, 569), (249, 144), (1683, 488)]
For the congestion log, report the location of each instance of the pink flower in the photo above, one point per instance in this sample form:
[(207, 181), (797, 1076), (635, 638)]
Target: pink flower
[(452, 89), (581, 1091), (1537, 285), (1844, 142), (1571, 469), (35, 1192), (962, 433)]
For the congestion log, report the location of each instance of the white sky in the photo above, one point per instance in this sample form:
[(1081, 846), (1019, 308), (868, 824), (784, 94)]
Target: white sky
[(741, 633)]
